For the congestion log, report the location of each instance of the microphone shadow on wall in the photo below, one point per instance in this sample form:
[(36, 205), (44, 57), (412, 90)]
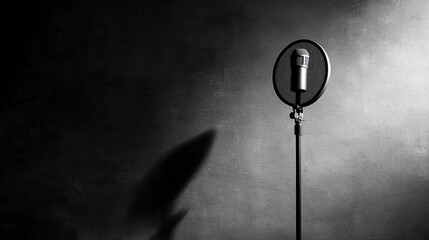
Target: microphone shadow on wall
[(159, 189)]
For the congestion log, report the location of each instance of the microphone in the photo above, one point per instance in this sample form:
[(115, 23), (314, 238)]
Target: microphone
[(299, 64)]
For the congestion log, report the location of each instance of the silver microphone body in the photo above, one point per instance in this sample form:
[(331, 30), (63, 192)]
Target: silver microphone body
[(299, 65)]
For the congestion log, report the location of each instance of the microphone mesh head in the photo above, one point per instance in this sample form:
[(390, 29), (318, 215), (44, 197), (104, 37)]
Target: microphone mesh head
[(301, 56), (301, 52)]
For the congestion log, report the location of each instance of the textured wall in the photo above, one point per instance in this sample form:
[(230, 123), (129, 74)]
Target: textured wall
[(158, 119)]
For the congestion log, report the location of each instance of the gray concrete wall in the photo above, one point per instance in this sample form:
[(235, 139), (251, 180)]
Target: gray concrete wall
[(158, 120)]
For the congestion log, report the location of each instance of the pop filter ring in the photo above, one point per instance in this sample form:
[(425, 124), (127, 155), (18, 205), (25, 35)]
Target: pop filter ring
[(326, 77)]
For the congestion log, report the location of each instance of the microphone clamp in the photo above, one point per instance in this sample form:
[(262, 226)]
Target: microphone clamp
[(297, 114)]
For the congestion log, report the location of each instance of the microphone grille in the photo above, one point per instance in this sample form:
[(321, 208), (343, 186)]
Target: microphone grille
[(302, 57), (301, 52)]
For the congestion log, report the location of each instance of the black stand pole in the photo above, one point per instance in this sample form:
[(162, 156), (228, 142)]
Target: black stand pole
[(298, 115), (298, 179)]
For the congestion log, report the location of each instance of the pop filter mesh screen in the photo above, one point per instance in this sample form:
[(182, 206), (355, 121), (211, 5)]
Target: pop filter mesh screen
[(316, 74)]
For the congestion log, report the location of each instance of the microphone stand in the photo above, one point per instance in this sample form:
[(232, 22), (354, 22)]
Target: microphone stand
[(298, 115)]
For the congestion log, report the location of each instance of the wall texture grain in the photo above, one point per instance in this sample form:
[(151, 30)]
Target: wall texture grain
[(158, 120)]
